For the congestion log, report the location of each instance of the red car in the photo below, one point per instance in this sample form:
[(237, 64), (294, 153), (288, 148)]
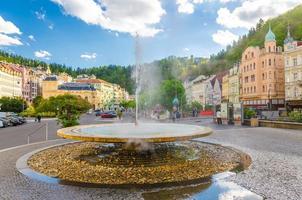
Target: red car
[(109, 114)]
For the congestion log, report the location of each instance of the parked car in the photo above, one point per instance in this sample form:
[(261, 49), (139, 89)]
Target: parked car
[(14, 121), (18, 118), (109, 114), (5, 122), (98, 112)]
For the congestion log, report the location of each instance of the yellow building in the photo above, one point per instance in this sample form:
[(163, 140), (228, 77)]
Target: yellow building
[(10, 80), (52, 86), (225, 88), (233, 86), (293, 73)]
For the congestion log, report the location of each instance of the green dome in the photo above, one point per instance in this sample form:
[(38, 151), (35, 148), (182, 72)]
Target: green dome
[(270, 36)]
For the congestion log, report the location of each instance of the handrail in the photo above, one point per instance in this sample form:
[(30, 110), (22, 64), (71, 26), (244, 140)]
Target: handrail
[(35, 131)]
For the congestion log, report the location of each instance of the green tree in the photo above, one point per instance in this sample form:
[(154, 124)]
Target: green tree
[(37, 100), (12, 104), (68, 108), (169, 89)]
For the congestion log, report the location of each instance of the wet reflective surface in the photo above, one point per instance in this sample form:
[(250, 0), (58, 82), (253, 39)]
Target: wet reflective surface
[(218, 188)]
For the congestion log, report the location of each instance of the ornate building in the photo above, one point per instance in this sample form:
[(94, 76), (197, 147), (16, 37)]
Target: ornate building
[(10, 80), (262, 75), (293, 72)]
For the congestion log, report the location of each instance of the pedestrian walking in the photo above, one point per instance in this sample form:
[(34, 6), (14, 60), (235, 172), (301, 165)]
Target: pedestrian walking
[(39, 118)]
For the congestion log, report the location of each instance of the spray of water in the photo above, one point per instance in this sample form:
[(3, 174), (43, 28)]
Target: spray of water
[(137, 78)]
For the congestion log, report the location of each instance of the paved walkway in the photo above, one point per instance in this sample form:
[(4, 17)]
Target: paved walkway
[(276, 172)]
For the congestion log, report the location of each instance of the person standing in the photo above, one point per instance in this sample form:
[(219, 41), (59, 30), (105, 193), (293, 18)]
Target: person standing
[(218, 117)]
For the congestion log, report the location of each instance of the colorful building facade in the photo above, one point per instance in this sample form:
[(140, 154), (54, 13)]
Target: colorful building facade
[(10, 80), (233, 85), (262, 76), (293, 73)]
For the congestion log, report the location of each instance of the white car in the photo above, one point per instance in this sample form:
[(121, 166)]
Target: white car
[(1, 124)]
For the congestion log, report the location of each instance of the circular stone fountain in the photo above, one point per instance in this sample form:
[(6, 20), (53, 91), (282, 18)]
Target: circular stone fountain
[(126, 154)]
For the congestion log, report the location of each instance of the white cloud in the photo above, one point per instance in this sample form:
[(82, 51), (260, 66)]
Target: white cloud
[(8, 27), (32, 38), (40, 14), (186, 49), (43, 54), (224, 38), (51, 26), (132, 16), (250, 11), (188, 6), (89, 56), (185, 6), (6, 40)]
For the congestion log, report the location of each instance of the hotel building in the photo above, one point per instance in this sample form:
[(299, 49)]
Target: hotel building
[(262, 75)]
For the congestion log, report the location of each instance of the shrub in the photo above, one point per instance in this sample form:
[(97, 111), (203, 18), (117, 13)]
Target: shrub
[(249, 113), (296, 116)]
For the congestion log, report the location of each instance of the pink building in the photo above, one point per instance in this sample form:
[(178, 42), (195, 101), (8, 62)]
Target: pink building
[(262, 75)]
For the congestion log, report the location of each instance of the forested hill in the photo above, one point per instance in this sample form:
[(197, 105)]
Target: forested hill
[(255, 36)]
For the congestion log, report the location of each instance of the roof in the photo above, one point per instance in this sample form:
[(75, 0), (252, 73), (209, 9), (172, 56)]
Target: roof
[(51, 78), (76, 86), (90, 81), (270, 36), (11, 66)]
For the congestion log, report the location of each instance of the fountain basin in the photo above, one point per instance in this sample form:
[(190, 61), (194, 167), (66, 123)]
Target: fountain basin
[(127, 132)]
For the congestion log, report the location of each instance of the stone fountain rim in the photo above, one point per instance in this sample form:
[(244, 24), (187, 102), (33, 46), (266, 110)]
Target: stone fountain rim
[(67, 133)]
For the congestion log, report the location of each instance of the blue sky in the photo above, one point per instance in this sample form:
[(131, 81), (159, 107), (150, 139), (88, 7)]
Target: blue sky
[(98, 32)]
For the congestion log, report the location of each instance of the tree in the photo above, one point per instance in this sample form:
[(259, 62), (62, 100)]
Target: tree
[(68, 108), (37, 100), (12, 104), (169, 89)]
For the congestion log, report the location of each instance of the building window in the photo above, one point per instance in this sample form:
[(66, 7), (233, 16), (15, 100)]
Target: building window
[(255, 89), (295, 61), (275, 76), (270, 75), (254, 65), (244, 68), (295, 76), (262, 76), (251, 67), (269, 49), (253, 78), (269, 62), (246, 79), (252, 54)]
